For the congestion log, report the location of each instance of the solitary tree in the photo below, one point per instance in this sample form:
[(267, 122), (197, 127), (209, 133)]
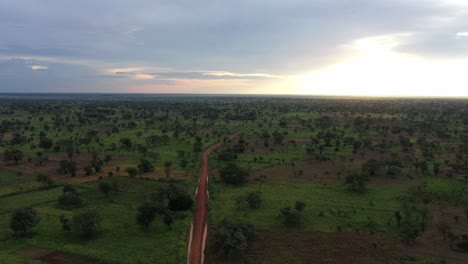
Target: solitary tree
[(146, 214), (22, 220), (145, 166), (232, 236), (254, 200), (233, 174), (87, 223), (132, 172), (45, 180), (105, 188)]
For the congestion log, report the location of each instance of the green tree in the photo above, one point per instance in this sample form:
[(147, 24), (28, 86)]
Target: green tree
[(45, 180), (132, 172), (87, 223), (145, 166), (105, 188), (181, 202), (233, 174), (146, 214), (254, 200), (15, 155), (24, 219), (168, 220), (46, 143), (356, 182), (233, 236)]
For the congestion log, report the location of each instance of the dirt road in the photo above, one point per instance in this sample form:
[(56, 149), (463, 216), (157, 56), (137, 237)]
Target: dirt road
[(198, 229)]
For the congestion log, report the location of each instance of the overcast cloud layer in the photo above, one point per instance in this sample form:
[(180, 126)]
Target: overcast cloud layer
[(244, 46)]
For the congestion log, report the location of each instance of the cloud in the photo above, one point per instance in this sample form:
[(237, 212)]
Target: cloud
[(232, 74), (462, 34), (116, 43), (39, 67)]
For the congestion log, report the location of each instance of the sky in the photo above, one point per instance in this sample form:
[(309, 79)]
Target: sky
[(312, 47)]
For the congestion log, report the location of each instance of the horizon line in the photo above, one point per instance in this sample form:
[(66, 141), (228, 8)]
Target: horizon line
[(244, 94)]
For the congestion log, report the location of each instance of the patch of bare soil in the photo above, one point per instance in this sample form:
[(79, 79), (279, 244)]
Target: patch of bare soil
[(431, 244), (315, 247), (52, 257)]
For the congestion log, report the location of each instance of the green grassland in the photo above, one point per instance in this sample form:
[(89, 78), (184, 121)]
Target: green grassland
[(340, 208), (120, 239)]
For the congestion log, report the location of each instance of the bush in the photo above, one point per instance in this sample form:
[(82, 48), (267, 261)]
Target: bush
[(233, 174), (87, 223), (22, 220)]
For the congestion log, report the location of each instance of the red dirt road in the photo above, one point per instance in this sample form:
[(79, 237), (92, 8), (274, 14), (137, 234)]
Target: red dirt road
[(198, 229)]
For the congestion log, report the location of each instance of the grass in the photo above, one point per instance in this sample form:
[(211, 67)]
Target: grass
[(120, 239), (340, 208), (13, 183)]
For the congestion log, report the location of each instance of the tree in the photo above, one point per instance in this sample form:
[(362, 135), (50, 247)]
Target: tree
[(68, 188), (15, 155), (24, 219), (107, 158), (105, 188), (67, 166), (167, 166), (443, 227), (46, 143), (299, 206), (233, 174), (182, 202), (291, 218), (168, 220), (254, 200), (70, 201), (87, 223), (145, 166), (356, 182), (126, 143), (66, 224), (45, 180), (132, 172), (371, 166), (233, 236), (146, 214)]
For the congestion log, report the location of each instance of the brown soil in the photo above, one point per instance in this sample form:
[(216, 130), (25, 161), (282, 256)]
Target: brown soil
[(52, 257), (50, 167), (431, 243), (315, 247)]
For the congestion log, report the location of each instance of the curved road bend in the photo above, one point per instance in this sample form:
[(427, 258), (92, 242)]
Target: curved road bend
[(199, 226)]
